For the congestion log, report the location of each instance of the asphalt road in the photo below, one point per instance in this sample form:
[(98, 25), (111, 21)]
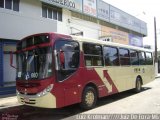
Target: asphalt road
[(146, 102)]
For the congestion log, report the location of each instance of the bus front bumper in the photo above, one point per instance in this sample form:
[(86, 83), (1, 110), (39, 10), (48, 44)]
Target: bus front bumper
[(46, 101)]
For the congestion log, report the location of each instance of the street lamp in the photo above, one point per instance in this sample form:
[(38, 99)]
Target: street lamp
[(156, 59)]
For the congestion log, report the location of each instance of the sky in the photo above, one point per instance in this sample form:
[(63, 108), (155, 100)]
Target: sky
[(145, 10)]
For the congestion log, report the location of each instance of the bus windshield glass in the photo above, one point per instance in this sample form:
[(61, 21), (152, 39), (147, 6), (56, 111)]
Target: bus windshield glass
[(34, 64), (33, 40)]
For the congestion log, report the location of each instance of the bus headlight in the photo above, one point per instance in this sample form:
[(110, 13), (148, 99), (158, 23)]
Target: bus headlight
[(45, 91), (17, 92)]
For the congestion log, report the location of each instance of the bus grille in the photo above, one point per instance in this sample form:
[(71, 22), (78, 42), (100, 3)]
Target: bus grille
[(28, 93), (28, 101)]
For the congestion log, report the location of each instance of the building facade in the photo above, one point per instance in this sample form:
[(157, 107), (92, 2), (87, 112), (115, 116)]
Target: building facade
[(88, 18)]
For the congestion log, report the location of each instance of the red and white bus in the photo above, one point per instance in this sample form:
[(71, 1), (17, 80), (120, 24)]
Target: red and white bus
[(55, 70)]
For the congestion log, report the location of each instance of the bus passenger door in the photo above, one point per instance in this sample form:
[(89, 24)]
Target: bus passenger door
[(67, 64)]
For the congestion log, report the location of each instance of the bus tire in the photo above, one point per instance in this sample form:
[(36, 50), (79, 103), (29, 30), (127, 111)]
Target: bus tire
[(138, 87), (89, 98)]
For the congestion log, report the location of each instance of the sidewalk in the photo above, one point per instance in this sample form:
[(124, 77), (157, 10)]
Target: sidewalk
[(158, 75), (8, 102)]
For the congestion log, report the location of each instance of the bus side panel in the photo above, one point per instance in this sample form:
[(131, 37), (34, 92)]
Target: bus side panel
[(91, 76), (70, 91), (107, 79), (101, 78), (58, 92), (125, 79), (76, 84), (71, 95), (148, 73)]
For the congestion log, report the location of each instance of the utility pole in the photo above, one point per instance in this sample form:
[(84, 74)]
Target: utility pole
[(155, 59)]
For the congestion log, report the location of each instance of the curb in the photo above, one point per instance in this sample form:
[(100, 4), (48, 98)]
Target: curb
[(157, 77)]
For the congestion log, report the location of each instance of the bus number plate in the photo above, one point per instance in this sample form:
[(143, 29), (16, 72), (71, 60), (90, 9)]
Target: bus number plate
[(26, 100)]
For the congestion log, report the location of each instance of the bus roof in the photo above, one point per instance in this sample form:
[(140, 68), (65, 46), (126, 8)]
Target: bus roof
[(97, 41), (90, 40)]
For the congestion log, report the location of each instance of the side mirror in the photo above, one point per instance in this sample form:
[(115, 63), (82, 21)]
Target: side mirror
[(11, 60)]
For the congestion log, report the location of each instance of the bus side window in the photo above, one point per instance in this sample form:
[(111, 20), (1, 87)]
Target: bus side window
[(111, 56), (142, 60), (134, 57), (124, 56), (93, 54), (149, 59)]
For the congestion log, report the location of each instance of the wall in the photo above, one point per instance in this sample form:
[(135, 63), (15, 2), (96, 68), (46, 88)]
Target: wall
[(116, 35), (29, 20), (64, 27), (74, 25), (16, 25), (89, 29)]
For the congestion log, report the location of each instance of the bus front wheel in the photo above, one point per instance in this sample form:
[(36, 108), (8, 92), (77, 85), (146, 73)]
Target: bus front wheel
[(138, 87), (89, 98)]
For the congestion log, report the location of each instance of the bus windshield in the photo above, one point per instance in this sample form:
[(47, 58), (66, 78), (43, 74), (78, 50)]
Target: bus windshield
[(33, 40), (34, 64)]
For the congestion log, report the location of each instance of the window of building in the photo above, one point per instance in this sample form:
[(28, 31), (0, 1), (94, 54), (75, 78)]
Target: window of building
[(149, 59), (60, 15), (124, 56), (55, 14), (16, 5), (51, 12), (44, 11), (93, 54), (2, 3), (10, 4), (142, 60), (111, 56), (134, 57)]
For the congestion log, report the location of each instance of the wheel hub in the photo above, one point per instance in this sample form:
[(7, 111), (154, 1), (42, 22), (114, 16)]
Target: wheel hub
[(89, 98)]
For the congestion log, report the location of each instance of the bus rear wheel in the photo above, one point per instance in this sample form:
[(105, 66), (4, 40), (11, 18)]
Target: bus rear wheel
[(138, 87), (89, 98)]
